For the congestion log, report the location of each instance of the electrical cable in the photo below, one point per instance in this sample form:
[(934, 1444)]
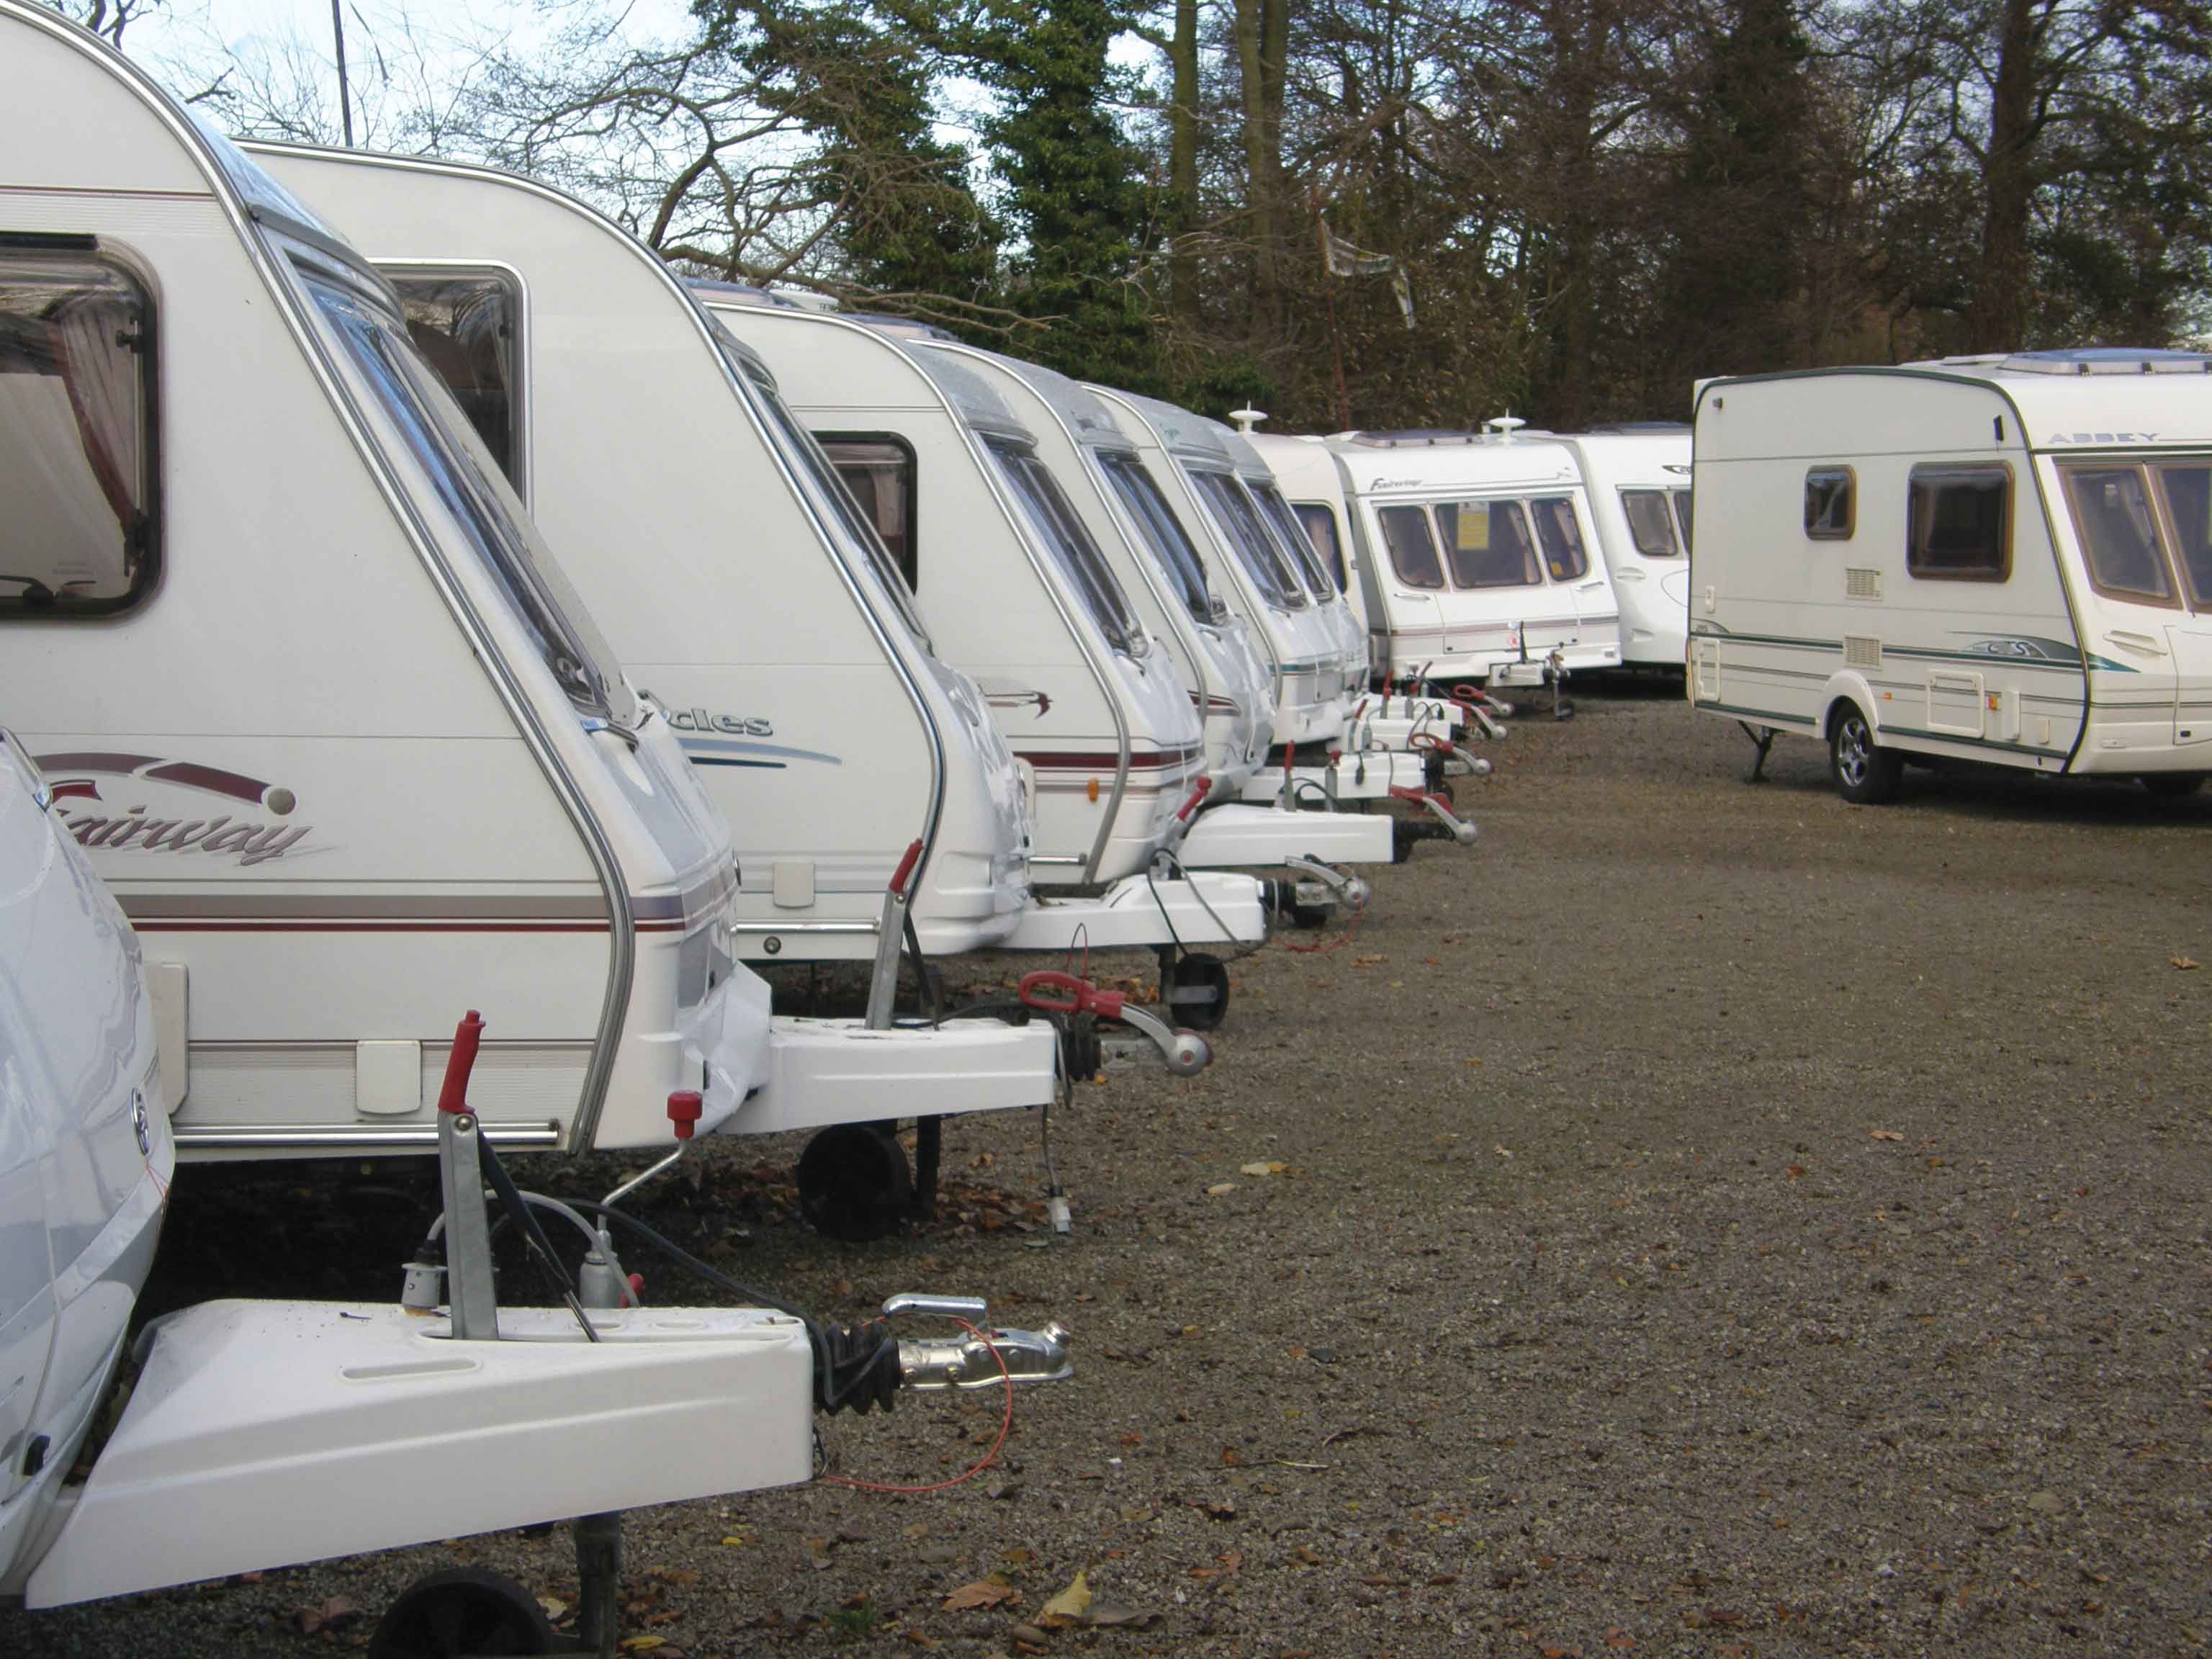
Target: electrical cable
[(1005, 1427)]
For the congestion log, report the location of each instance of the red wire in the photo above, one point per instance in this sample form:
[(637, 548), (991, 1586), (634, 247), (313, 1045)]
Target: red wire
[(1005, 1426)]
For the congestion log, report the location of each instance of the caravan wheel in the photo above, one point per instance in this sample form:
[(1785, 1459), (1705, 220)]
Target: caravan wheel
[(853, 1181), (1866, 774), (2170, 786), (466, 1610)]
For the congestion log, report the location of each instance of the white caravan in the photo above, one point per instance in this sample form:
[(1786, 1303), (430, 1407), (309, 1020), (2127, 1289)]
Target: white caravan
[(2003, 559), (1312, 483), (707, 533), (1638, 480), (318, 702), (264, 1434), (1303, 648), (1479, 556), (1132, 523), (1017, 594)]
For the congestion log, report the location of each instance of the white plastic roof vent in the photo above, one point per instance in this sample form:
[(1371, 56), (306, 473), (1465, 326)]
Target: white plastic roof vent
[(1247, 418)]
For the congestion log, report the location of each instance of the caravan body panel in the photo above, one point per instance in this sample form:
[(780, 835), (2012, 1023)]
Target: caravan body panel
[(1480, 553), (1639, 499), (1301, 647), (1105, 730), (730, 582), (350, 739)]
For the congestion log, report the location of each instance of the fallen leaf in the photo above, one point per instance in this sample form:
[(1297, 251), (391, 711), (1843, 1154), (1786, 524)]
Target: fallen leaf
[(1220, 1186), (554, 1607), (1795, 1171), (1617, 1638), (1107, 1616), (1069, 1606), (1884, 1134), (983, 1593), (335, 1613), (2182, 963), (1272, 1167), (642, 1644)]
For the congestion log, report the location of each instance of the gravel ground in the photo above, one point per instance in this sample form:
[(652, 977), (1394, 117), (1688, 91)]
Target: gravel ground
[(1710, 1219)]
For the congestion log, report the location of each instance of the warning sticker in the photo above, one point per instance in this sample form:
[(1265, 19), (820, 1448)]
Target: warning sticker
[(1473, 527)]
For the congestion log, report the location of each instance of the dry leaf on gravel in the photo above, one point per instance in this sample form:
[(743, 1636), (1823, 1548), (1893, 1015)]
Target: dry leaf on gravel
[(1107, 1615), (1884, 1134), (334, 1615), (1069, 1606), (1266, 1167), (983, 1593), (1220, 1186), (2182, 963)]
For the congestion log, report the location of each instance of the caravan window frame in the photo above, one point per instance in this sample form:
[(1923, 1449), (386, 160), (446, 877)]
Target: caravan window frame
[(910, 489), (1419, 515), (1817, 529), (2158, 467), (1220, 493), (399, 273), (1057, 524), (1277, 515), (143, 543), (1535, 571), (2071, 475), (1932, 475)]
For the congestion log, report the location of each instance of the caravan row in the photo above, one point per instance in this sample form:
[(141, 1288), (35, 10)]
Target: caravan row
[(417, 597)]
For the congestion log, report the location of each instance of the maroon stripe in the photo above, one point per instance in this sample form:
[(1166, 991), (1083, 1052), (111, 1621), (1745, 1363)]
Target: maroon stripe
[(1108, 761), (93, 760), (157, 926), (213, 779)]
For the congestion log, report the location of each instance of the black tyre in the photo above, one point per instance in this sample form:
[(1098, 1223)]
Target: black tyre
[(1196, 991), (2170, 786), (853, 1181), (466, 1610), (1866, 774)]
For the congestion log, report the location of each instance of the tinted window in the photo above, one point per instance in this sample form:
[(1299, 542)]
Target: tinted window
[(1321, 529), (1292, 537), (2119, 537), (1959, 524), (1489, 544), (464, 326), (1255, 549), (1831, 507), (2188, 490), (880, 473), (1683, 515), (1412, 547), (1650, 522), (77, 437), (1561, 537), (1170, 544), (468, 481), (1062, 532)]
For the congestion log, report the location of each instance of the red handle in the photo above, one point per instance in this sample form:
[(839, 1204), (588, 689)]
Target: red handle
[(899, 876), (685, 1108), (453, 1092), (1197, 799), (1081, 996), (1423, 740), (1468, 694)]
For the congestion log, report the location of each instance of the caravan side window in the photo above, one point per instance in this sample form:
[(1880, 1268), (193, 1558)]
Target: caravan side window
[(78, 519), (1650, 523), (1413, 548), (880, 472), (1321, 529), (1830, 504), (466, 323), (1562, 537), (1959, 523)]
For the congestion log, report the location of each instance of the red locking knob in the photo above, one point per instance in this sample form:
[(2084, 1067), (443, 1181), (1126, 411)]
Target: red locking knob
[(684, 1108)]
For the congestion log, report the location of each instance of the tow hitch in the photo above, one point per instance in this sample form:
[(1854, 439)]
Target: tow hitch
[(932, 1364), (1049, 991), (1449, 825)]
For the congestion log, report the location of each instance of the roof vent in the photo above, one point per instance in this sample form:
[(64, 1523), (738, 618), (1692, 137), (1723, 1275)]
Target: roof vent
[(1247, 418), (2108, 360), (1504, 426)]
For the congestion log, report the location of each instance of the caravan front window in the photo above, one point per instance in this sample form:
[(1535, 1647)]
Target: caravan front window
[(2119, 537), (1171, 546), (468, 482), (1056, 523), (2187, 487), (1561, 535), (1412, 547), (1959, 523), (1683, 515), (77, 433), (1291, 534), (1255, 550), (1489, 544)]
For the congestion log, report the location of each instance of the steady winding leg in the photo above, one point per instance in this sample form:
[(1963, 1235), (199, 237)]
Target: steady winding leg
[(1764, 737)]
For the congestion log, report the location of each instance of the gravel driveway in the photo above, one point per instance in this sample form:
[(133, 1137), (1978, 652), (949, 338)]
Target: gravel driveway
[(1703, 1219)]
